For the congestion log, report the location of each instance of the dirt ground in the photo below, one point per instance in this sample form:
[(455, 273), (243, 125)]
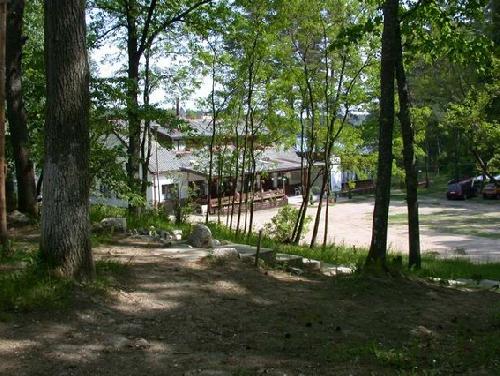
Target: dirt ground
[(470, 228), (178, 315)]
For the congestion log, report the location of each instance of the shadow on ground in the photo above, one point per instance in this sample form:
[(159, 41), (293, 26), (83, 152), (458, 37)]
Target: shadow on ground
[(172, 317)]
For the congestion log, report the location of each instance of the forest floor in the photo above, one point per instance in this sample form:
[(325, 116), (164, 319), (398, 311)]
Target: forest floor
[(172, 312), (468, 229)]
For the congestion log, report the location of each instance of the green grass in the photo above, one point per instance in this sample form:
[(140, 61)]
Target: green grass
[(32, 287), (149, 218), (432, 266), (110, 274), (457, 268)]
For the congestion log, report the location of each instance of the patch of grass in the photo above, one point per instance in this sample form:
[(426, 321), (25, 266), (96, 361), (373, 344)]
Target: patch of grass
[(19, 254), (99, 212), (101, 238), (433, 266), (110, 274), (147, 219), (33, 288)]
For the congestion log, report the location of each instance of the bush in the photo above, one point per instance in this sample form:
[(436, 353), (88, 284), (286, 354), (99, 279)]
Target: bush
[(100, 211), (282, 224)]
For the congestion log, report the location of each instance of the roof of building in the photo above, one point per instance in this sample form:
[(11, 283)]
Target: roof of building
[(269, 160), (199, 127)]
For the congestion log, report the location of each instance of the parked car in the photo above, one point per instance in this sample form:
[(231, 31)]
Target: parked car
[(491, 190), (460, 189)]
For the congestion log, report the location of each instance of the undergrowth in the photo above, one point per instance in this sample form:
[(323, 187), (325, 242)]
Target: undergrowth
[(29, 286), (147, 219)]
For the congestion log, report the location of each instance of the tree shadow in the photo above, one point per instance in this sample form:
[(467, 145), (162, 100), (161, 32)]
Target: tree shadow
[(173, 317)]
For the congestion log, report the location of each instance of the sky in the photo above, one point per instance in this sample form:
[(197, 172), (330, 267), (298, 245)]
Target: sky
[(105, 59)]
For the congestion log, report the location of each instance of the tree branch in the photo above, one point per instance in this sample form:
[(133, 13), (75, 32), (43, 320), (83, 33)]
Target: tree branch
[(147, 24), (177, 18)]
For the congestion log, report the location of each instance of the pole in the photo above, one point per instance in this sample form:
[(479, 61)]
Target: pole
[(257, 252), (4, 241)]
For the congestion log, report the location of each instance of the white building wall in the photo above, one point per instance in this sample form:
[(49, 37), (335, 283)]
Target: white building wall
[(155, 189)]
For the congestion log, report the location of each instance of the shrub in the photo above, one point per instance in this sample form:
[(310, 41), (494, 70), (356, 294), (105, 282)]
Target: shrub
[(282, 224)]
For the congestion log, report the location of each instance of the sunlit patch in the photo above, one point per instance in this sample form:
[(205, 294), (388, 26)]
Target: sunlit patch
[(8, 345), (228, 287), (261, 301), (132, 302)]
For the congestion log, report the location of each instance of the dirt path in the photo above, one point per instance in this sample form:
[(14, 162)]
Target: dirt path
[(351, 225), (176, 315)]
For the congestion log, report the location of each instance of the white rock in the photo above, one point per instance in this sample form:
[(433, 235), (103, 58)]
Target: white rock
[(226, 253), (489, 283), (18, 218), (115, 224), (141, 343), (311, 265), (117, 341), (200, 237)]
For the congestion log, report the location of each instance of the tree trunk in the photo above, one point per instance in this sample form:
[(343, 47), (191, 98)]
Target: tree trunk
[(146, 132), (411, 179), (4, 239), (304, 206), (378, 247), (237, 153), (10, 191), (320, 205), (328, 195), (26, 189), (254, 174), (134, 122), (212, 141), (134, 130), (243, 180), (65, 241)]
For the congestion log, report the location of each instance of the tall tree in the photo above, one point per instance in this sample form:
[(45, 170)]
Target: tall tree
[(65, 242), (143, 23), (3, 168), (378, 247), (26, 188), (408, 135)]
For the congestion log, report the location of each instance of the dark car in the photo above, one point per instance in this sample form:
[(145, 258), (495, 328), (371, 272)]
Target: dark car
[(491, 190), (460, 189)]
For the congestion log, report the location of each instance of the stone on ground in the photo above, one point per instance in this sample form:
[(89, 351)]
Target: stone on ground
[(177, 234), (333, 270), (225, 253), (200, 237), (18, 218), (311, 265), (293, 261), (118, 224)]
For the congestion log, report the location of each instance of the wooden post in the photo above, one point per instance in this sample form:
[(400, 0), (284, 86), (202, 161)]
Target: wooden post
[(257, 253), (4, 241)]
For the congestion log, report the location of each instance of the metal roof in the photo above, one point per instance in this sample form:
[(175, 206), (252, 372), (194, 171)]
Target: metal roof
[(268, 160)]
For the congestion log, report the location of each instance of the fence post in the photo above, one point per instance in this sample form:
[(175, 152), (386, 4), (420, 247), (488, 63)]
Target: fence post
[(258, 248)]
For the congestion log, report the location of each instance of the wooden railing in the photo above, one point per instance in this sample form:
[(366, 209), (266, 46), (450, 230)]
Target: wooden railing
[(275, 197)]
